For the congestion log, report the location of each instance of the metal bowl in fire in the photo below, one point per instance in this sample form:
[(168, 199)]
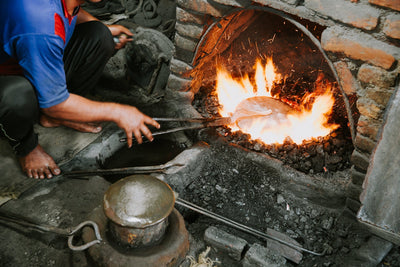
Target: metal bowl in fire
[(138, 207)]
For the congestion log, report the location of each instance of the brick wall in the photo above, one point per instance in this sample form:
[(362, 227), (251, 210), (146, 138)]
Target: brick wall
[(361, 39)]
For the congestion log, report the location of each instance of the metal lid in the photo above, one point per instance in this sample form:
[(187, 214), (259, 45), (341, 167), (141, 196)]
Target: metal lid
[(138, 201)]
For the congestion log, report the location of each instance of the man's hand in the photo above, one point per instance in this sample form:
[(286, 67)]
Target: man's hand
[(124, 35), (134, 123), (79, 109)]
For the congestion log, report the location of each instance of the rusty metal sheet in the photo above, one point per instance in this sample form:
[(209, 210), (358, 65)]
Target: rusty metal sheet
[(380, 209)]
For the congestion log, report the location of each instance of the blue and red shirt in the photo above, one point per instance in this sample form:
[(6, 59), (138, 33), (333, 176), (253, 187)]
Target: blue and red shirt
[(33, 36)]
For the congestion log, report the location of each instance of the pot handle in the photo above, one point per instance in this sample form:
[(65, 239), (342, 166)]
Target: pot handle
[(89, 244)]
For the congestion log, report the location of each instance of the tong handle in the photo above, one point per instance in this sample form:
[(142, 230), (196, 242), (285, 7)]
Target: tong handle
[(184, 119), (89, 244)]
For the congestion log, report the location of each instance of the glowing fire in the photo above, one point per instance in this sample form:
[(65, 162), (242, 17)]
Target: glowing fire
[(299, 124)]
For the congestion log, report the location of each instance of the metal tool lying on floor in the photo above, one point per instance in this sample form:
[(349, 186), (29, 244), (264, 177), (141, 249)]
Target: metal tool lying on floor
[(200, 123), (116, 171), (7, 217), (239, 226)]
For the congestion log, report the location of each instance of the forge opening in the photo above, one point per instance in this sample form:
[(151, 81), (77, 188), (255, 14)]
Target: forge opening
[(255, 56)]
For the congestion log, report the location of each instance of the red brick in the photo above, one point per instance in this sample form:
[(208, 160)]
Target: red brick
[(358, 15), (393, 4), (359, 46), (391, 26)]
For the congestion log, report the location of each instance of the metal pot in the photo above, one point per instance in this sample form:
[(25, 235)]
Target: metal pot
[(138, 207)]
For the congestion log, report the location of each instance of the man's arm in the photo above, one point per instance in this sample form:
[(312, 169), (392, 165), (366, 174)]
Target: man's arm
[(123, 33), (128, 118)]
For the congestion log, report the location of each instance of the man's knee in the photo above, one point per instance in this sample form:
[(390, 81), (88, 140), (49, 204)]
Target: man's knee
[(100, 34), (18, 99)]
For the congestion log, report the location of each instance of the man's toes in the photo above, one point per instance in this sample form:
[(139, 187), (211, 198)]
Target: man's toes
[(54, 169), (48, 173), (29, 173), (35, 174), (97, 129), (41, 173)]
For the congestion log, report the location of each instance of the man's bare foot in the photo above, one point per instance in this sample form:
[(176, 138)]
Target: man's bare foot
[(48, 122), (38, 164)]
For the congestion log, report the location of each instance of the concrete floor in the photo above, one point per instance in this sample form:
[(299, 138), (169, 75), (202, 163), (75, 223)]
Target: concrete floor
[(60, 202)]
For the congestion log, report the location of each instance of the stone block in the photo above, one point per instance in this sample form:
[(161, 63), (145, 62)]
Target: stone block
[(369, 108), (358, 45), (376, 76), (356, 14), (360, 160), (189, 30), (292, 2), (374, 250), (183, 98), (204, 7), (381, 96), (393, 4), (391, 26), (353, 205), (185, 43), (364, 144), (179, 67), (178, 83), (259, 256), (368, 127), (354, 191), (349, 83), (184, 55), (223, 241), (188, 17), (357, 177), (235, 3)]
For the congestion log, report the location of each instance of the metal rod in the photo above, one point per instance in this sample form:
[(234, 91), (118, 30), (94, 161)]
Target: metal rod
[(240, 226), (184, 119), (122, 140), (25, 222), (128, 170)]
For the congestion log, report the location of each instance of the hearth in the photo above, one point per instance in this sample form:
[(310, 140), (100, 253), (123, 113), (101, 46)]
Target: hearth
[(357, 46)]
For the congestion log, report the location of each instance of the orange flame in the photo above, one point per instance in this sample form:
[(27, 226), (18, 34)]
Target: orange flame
[(299, 125)]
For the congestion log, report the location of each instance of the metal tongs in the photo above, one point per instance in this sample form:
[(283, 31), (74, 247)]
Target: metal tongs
[(7, 217), (200, 123)]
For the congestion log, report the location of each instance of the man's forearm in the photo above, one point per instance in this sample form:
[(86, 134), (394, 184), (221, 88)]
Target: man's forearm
[(128, 118), (80, 109)]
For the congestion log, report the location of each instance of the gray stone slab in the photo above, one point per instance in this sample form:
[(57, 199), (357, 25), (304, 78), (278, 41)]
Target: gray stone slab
[(380, 208), (259, 256), (61, 143), (232, 245)]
